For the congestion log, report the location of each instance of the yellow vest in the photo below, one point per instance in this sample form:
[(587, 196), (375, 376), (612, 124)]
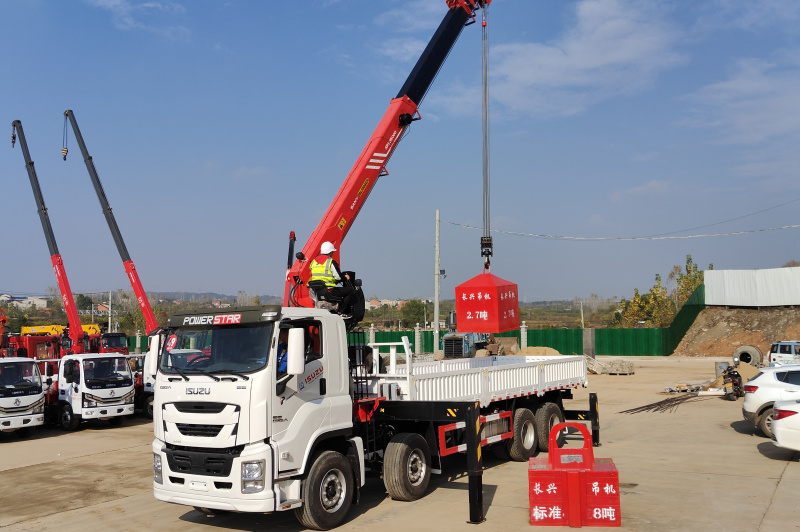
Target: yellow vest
[(323, 272)]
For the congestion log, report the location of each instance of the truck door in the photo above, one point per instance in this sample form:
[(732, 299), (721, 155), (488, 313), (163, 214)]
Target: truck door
[(300, 408)]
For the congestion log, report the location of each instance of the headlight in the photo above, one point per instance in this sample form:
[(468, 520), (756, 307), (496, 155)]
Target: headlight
[(38, 406), (128, 399), (157, 475), (89, 401), (253, 476)]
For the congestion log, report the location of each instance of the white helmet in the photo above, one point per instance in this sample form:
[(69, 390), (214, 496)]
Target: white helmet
[(326, 248)]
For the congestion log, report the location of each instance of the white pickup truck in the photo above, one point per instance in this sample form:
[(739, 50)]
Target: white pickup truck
[(265, 409), (21, 396)]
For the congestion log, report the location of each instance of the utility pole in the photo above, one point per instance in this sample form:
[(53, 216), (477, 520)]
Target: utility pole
[(436, 274)]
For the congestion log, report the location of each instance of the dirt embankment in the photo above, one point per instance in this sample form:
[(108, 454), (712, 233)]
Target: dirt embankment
[(717, 332)]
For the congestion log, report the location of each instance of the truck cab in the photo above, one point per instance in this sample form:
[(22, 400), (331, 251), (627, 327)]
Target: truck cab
[(21, 396), (93, 386)]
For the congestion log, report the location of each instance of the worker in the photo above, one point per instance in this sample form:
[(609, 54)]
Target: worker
[(325, 269), (283, 336)]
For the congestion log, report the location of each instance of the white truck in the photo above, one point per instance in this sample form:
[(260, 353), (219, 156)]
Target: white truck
[(236, 430), (22, 399), (90, 386)]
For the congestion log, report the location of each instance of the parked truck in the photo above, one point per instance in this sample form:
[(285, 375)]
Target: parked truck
[(235, 430), (22, 400)]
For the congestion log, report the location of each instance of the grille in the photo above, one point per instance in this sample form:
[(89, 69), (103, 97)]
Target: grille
[(200, 408), (205, 431), (453, 347), (199, 463)]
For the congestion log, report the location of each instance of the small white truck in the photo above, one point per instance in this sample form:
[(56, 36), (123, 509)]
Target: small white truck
[(90, 386), (265, 409), (21, 396)]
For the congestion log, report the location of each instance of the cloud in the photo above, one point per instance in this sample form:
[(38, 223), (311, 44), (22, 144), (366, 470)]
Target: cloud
[(413, 16), (147, 16), (759, 102), (614, 47), (750, 15), (402, 50), (653, 188)]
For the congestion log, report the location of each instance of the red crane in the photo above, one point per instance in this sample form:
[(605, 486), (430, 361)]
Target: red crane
[(141, 296), (371, 164), (75, 330)]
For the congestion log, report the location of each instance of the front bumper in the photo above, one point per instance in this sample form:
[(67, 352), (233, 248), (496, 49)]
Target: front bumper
[(103, 412), (8, 424), (217, 492)]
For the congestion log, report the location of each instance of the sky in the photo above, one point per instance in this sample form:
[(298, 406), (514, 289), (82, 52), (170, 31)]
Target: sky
[(217, 127)]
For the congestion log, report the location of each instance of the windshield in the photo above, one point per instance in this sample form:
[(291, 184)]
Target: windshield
[(19, 378), (107, 372), (217, 349), (114, 342)]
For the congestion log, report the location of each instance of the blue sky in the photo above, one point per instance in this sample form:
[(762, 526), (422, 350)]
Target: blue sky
[(218, 126)]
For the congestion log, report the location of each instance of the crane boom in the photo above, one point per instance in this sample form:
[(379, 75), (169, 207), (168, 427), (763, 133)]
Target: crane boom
[(75, 331), (371, 163), (141, 296)]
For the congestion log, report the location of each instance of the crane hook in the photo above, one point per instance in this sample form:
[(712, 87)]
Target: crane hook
[(13, 135), (64, 149)]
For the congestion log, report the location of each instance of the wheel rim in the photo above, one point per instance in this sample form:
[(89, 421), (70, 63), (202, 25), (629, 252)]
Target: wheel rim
[(149, 406), (332, 491), (554, 420), (416, 468), (768, 423), (66, 416), (528, 435)]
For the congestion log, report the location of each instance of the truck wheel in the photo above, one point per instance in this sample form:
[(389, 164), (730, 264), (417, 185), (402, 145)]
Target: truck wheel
[(500, 450), (548, 416), (148, 406), (406, 467), (116, 421), (765, 423), (67, 419), (327, 492), (523, 444)]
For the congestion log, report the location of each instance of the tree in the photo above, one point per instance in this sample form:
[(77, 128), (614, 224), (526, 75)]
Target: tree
[(687, 280), (413, 312), (83, 302), (791, 264)]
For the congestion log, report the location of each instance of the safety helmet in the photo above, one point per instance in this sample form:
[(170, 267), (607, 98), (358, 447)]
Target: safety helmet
[(326, 248)]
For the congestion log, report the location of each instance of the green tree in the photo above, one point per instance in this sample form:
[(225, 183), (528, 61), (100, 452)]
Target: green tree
[(83, 302), (686, 279), (413, 312)]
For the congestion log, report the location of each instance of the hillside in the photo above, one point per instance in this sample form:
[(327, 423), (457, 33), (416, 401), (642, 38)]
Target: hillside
[(717, 332)]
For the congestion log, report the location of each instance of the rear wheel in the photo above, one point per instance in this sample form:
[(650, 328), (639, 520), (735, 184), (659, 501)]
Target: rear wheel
[(548, 416), (327, 492), (765, 422), (524, 443), (406, 467), (67, 418)]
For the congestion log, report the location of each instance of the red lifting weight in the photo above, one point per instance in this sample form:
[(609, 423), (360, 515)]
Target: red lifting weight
[(571, 488)]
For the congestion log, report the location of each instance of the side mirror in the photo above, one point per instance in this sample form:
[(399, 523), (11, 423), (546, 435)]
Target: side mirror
[(151, 358), (48, 370), (68, 371), (66, 343), (295, 352), (49, 381)]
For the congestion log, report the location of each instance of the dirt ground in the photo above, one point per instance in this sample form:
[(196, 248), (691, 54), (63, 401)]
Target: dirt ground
[(717, 332)]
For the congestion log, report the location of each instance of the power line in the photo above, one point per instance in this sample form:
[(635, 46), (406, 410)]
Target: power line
[(620, 238)]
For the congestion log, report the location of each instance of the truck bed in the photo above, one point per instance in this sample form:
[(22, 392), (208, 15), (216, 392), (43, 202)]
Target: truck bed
[(483, 380)]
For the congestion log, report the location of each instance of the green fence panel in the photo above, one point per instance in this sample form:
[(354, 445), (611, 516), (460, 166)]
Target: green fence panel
[(631, 342), (685, 317), (565, 341)]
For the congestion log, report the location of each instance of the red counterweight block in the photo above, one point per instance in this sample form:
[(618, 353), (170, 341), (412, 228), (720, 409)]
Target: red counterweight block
[(487, 304), (571, 488)]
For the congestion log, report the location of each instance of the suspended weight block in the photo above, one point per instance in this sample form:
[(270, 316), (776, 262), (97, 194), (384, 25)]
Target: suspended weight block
[(487, 304)]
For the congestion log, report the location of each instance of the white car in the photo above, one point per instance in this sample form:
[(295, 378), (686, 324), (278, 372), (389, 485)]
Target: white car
[(781, 383), (786, 424)]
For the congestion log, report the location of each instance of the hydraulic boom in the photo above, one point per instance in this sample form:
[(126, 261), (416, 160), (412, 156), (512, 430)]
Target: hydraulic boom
[(371, 164), (141, 297), (75, 331)]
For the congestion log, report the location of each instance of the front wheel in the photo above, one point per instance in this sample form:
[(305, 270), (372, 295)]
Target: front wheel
[(24, 433), (116, 421), (327, 492), (67, 418), (148, 406), (406, 467)]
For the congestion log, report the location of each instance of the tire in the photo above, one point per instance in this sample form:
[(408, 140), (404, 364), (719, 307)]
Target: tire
[(524, 444), (24, 433), (407, 467), (547, 416), (116, 421), (148, 406), (748, 354), (765, 423), (67, 419), (327, 492)]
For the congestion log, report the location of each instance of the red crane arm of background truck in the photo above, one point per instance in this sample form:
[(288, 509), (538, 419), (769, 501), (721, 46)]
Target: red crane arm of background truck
[(371, 164)]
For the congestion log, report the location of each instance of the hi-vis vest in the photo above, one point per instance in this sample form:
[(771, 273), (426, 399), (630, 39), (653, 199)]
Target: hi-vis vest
[(323, 272)]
